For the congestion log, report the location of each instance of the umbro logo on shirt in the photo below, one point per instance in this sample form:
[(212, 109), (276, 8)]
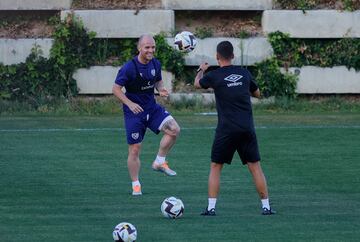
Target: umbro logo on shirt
[(234, 78)]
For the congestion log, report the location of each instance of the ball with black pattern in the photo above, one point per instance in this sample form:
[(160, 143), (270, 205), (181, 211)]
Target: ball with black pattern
[(124, 232), (172, 207), (185, 41)]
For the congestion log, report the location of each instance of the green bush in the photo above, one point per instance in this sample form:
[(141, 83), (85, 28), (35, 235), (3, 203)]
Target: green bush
[(272, 82), (348, 5), (171, 59), (203, 32), (317, 52), (39, 80), (30, 81)]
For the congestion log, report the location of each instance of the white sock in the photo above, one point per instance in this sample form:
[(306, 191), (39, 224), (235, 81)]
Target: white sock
[(160, 160), (135, 183), (265, 203), (212, 203)]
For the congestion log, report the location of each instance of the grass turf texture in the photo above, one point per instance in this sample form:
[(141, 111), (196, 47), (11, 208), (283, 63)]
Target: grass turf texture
[(62, 184)]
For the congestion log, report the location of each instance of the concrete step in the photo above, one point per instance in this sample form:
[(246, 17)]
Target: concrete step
[(247, 51), (125, 23), (319, 80), (313, 23), (100, 79), (217, 4), (209, 98), (35, 4), (14, 51)]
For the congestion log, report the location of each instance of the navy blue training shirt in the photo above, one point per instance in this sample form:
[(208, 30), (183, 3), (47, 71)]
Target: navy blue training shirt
[(139, 81), (232, 87)]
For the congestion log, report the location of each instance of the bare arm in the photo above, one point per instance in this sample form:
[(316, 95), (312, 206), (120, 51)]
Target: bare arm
[(161, 89), (203, 67), (135, 108)]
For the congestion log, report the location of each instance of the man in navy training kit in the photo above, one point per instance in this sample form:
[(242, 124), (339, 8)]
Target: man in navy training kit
[(140, 76), (235, 130)]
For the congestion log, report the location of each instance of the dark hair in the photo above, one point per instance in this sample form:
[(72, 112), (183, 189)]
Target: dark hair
[(225, 49)]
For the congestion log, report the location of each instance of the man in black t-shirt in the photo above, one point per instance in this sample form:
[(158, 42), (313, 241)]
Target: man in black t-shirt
[(235, 130)]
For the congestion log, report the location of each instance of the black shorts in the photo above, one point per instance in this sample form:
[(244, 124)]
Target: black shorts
[(225, 145)]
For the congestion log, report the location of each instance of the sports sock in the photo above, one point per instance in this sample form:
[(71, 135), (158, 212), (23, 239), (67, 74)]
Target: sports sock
[(160, 160), (265, 203), (211, 204), (135, 183)]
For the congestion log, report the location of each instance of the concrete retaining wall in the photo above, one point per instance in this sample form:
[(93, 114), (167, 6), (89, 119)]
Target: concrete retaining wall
[(247, 51), (209, 98), (217, 4), (313, 23), (317, 80), (254, 50), (14, 51), (125, 23), (100, 79), (35, 4)]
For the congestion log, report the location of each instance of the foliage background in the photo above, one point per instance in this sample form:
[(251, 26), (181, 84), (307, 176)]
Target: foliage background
[(39, 81)]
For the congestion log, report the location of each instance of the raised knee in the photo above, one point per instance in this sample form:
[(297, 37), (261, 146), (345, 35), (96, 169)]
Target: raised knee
[(174, 130)]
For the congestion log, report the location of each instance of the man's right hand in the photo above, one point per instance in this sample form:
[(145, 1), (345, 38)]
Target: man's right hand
[(203, 66), (135, 108)]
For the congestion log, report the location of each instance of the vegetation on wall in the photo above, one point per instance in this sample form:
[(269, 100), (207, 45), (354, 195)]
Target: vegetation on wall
[(171, 59), (290, 52), (39, 80), (348, 5), (30, 81), (316, 52), (204, 32), (272, 82)]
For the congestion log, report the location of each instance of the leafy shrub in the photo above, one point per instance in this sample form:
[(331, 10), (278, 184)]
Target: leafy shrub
[(39, 80), (30, 81), (171, 59), (348, 5), (272, 82), (317, 52), (203, 32)]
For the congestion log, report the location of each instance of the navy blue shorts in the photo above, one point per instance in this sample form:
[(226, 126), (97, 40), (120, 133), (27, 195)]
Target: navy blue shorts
[(225, 145), (136, 124)]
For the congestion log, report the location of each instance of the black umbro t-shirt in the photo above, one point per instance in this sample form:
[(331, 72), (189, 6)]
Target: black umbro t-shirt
[(232, 86)]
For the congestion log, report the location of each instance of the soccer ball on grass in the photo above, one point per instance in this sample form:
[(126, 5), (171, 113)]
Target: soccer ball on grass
[(172, 207), (124, 232)]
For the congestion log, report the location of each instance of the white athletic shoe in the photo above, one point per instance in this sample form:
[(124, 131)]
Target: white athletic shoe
[(136, 190), (164, 167)]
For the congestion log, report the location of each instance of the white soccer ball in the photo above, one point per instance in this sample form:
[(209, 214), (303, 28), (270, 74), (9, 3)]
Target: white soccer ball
[(185, 41), (125, 232), (172, 207)]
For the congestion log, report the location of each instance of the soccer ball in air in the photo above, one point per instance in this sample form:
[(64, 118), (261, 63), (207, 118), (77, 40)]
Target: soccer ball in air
[(172, 207), (185, 41), (125, 232)]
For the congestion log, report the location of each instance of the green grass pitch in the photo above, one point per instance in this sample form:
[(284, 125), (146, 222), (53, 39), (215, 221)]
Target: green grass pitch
[(65, 179)]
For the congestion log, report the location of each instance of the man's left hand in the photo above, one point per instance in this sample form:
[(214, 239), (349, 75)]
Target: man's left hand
[(163, 92)]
